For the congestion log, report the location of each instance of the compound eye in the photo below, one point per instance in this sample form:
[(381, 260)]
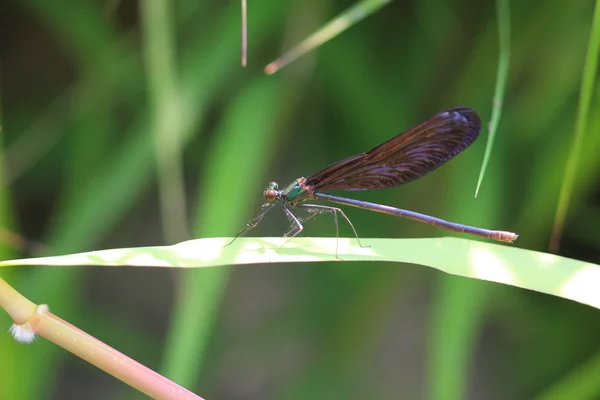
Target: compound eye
[(273, 185), (270, 195)]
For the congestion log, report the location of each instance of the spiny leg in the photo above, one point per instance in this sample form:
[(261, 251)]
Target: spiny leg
[(252, 224), (299, 227), (303, 221), (334, 211)]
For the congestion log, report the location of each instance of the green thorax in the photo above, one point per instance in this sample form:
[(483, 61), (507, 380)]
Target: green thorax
[(295, 194)]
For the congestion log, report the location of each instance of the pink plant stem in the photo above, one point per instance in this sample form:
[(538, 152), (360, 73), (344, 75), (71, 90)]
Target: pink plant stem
[(106, 358)]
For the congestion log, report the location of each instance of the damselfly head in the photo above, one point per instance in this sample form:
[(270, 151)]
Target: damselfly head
[(272, 192)]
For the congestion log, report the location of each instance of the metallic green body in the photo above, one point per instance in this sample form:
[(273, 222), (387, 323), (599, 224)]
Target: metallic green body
[(294, 194)]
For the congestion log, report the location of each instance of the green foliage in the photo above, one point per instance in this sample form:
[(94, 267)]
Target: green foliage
[(80, 121)]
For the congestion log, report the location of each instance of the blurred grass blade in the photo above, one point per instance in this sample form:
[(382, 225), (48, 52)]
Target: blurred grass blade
[(542, 272), (585, 97), (333, 28), (244, 33), (456, 318), (33, 143), (15, 385), (166, 121), (503, 16), (244, 145), (582, 383)]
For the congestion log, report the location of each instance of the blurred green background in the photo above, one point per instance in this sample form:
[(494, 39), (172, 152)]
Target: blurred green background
[(132, 123)]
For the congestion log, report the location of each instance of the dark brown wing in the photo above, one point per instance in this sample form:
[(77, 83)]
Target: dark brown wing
[(405, 157)]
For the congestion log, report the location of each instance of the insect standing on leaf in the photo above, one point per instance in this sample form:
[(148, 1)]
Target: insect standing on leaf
[(402, 159)]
